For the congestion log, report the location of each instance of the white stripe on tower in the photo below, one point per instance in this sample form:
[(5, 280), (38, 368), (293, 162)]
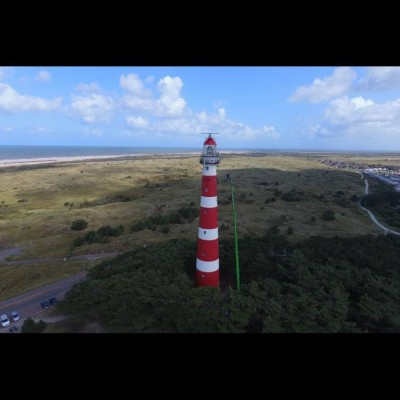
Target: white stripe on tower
[(207, 266), (208, 202), (208, 234), (209, 170)]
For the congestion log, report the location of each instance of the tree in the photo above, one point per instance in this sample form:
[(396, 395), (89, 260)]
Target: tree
[(78, 225), (30, 326)]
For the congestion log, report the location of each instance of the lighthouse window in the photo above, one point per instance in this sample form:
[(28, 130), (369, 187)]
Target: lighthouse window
[(204, 232), (207, 168)]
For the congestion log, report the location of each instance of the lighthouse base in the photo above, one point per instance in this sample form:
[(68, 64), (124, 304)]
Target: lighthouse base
[(207, 278)]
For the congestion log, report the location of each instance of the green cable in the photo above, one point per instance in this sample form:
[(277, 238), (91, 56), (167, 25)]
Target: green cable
[(236, 241)]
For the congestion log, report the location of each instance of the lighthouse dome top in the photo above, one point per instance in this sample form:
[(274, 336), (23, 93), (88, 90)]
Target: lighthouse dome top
[(210, 141)]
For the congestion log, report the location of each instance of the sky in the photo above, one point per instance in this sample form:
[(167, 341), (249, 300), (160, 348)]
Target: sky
[(329, 108)]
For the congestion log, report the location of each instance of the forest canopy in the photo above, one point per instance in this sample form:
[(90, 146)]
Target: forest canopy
[(321, 285)]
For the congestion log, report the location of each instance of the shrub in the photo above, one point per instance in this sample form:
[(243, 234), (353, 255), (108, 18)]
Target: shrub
[(78, 225), (165, 229), (290, 196), (30, 326), (242, 196), (102, 235), (328, 215), (274, 230), (79, 241)]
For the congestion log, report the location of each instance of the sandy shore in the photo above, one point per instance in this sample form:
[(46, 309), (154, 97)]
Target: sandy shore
[(54, 160)]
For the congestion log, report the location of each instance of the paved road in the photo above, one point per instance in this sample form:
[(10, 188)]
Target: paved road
[(28, 304), (372, 216)]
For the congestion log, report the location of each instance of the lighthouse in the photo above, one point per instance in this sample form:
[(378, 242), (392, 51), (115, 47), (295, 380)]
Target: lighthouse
[(207, 263)]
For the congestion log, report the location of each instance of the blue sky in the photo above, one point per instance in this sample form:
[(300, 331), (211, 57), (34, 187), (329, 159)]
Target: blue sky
[(344, 108)]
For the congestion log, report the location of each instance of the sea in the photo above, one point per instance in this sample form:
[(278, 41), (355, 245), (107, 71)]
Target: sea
[(25, 152)]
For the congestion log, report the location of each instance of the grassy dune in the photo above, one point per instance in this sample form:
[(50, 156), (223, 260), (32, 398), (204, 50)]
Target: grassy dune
[(38, 205), (17, 279)]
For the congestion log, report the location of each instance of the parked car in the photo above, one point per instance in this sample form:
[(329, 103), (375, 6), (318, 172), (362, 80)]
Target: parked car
[(45, 305), (15, 316), (53, 301), (4, 320)]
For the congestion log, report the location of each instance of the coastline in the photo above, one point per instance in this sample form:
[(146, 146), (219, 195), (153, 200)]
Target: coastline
[(8, 163)]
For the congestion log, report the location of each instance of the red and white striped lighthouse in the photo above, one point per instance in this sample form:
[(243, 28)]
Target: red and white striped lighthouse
[(207, 263)]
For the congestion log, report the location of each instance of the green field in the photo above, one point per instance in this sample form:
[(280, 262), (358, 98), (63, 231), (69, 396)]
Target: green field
[(38, 205)]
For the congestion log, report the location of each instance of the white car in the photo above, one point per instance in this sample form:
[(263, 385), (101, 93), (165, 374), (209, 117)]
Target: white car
[(4, 320), (15, 316)]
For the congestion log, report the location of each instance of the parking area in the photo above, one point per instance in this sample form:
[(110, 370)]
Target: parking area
[(32, 303)]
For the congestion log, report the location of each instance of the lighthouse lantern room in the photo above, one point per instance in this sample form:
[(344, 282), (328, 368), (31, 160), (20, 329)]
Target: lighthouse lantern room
[(207, 263)]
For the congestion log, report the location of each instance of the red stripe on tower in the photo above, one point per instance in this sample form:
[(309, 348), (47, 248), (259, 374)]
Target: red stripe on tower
[(207, 263)]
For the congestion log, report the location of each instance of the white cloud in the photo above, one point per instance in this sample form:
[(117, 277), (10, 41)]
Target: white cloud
[(43, 76), (380, 78), (170, 103), (133, 85), (360, 117), (324, 89), (12, 101), (88, 87), (93, 107), (140, 104), (360, 102), (137, 122), (202, 122)]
